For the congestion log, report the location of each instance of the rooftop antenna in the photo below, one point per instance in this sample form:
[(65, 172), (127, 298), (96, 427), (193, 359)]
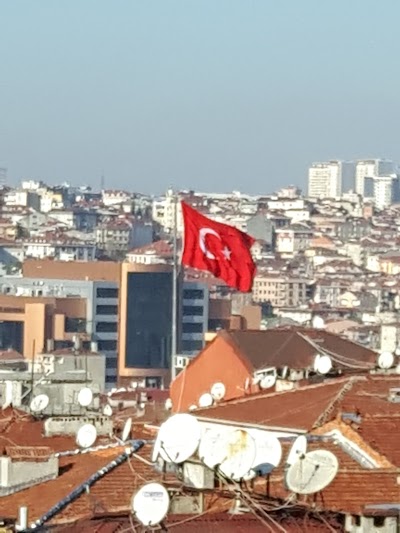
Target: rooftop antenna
[(312, 472), (39, 403), (268, 455), (240, 452), (298, 450), (86, 436), (179, 438), (150, 504)]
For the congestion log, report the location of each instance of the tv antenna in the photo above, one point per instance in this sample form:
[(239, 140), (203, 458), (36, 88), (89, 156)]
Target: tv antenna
[(240, 452), (150, 504), (298, 450), (127, 430), (206, 400), (385, 360), (85, 397), (312, 472), (218, 391), (268, 455), (39, 403), (322, 364), (86, 436), (179, 438)]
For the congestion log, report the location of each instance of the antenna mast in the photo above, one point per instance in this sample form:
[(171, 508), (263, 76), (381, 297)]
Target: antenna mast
[(174, 288)]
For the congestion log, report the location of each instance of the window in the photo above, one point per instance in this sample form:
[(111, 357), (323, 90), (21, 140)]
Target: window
[(103, 292), (193, 310), (107, 346), (75, 325), (111, 362), (189, 327), (106, 327), (106, 309), (192, 346), (193, 294)]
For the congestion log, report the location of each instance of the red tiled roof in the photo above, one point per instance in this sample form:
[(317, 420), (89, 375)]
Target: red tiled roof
[(290, 347)]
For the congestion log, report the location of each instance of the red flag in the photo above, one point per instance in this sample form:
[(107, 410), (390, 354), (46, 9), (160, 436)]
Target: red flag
[(221, 249)]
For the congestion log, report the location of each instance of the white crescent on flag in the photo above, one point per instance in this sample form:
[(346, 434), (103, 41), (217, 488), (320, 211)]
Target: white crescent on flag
[(202, 241)]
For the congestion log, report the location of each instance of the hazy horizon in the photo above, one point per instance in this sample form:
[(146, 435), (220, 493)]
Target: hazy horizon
[(209, 95)]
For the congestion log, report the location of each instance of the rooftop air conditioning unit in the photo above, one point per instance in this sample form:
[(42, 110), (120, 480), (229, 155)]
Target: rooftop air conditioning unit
[(180, 361)]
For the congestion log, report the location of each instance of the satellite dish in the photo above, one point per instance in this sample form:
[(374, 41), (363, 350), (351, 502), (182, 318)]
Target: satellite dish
[(268, 381), (240, 452), (322, 364), (107, 410), (385, 360), (298, 450), (318, 322), (218, 391), (206, 400), (86, 436), (156, 449), (179, 438), (193, 407), (39, 403), (150, 504), (85, 397), (312, 473), (268, 455), (127, 430), (168, 404), (212, 447)]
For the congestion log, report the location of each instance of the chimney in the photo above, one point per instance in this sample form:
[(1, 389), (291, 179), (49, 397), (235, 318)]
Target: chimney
[(22, 524)]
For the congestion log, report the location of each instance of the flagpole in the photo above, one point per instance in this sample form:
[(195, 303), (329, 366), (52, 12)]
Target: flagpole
[(174, 289)]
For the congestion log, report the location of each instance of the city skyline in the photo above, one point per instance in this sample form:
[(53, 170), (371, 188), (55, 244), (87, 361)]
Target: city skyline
[(211, 96)]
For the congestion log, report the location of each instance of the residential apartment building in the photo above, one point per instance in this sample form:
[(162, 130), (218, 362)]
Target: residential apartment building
[(325, 180), (369, 168), (281, 291), (292, 240), (386, 191)]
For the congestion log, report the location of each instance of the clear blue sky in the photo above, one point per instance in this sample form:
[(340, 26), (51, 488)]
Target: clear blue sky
[(204, 94)]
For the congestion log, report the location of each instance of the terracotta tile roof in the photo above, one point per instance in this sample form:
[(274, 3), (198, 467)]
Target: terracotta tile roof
[(290, 347), (159, 248), (298, 409)]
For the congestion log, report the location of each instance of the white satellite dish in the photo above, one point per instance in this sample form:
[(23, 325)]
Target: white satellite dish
[(85, 397), (322, 364), (206, 400), (212, 447), (39, 403), (168, 404), (150, 504), (156, 449), (107, 410), (268, 381), (179, 438), (268, 455), (218, 391), (312, 472), (193, 407), (127, 430), (86, 436), (298, 450), (318, 322), (385, 360), (240, 452)]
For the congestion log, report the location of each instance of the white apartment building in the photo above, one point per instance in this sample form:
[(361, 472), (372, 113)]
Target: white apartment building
[(386, 190), (325, 179), (369, 168)]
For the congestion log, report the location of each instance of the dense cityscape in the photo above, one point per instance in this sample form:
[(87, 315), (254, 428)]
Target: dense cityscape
[(119, 366)]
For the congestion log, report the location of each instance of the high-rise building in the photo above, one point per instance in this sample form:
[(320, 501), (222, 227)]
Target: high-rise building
[(386, 191), (369, 168), (145, 319), (325, 180)]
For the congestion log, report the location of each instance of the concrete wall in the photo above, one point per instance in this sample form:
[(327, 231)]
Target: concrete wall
[(19, 475), (70, 425)]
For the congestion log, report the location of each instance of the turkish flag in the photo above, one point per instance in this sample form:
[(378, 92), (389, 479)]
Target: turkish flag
[(221, 249)]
